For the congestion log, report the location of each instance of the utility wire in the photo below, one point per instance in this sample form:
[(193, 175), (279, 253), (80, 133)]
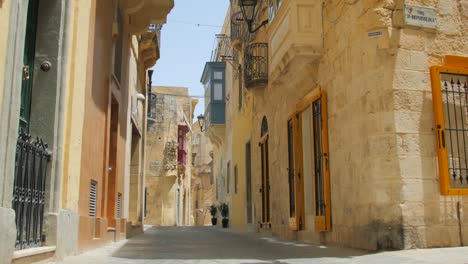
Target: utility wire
[(194, 24)]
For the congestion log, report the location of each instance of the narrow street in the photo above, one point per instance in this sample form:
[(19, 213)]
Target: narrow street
[(213, 245)]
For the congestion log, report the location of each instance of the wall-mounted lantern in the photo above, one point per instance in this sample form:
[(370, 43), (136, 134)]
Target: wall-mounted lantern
[(201, 122), (249, 9)]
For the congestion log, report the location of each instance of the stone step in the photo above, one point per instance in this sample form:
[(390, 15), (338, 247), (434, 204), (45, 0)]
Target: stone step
[(34, 255)]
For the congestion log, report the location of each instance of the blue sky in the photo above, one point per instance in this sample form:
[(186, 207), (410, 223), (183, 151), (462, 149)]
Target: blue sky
[(186, 44)]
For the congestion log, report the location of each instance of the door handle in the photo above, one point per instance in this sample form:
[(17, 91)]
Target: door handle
[(26, 73)]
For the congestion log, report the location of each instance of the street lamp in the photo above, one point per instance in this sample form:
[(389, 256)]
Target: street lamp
[(249, 12), (201, 122)]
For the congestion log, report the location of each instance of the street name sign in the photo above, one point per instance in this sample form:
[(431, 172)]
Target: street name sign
[(420, 16)]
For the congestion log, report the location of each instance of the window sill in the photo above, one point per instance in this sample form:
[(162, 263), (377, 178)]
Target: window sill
[(29, 252)]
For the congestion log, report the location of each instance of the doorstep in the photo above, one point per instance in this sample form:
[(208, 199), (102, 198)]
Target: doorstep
[(30, 255)]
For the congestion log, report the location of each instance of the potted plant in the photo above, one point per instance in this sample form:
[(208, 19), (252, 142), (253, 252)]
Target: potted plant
[(224, 209), (213, 211)]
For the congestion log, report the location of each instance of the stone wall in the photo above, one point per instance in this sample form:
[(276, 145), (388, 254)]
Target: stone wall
[(202, 187), (165, 183), (429, 219), (383, 166)]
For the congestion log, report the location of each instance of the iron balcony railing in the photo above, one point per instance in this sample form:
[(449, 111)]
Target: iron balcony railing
[(256, 65), (29, 193), (223, 51)]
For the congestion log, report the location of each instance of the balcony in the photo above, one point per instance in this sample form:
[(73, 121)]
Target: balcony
[(141, 13), (256, 65), (149, 45), (295, 36), (182, 148), (213, 79)]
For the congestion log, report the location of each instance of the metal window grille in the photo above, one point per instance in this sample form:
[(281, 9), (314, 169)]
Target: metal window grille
[(236, 180), (92, 199), (291, 179), (455, 107), (248, 182), (228, 177), (320, 209), (29, 193), (119, 205)]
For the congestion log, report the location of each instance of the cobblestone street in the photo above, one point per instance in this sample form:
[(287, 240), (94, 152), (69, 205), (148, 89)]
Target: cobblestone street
[(213, 245)]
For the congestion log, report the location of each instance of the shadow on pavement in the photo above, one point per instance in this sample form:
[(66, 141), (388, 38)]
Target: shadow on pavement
[(192, 243)]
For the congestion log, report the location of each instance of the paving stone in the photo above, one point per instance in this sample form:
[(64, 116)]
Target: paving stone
[(211, 245)]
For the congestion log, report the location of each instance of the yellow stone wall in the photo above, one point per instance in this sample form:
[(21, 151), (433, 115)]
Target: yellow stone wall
[(161, 183), (75, 94), (383, 164), (430, 219), (202, 190), (4, 24)]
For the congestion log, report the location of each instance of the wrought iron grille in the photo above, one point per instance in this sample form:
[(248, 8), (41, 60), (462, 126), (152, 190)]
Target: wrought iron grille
[(256, 65), (320, 209), (32, 160), (455, 107), (223, 51)]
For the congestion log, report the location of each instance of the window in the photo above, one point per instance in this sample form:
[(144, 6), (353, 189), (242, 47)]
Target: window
[(248, 182), (207, 91), (240, 87), (218, 92), (236, 180), (217, 189), (312, 176), (228, 177), (291, 176), (218, 75), (211, 173), (196, 140), (265, 169), (449, 93)]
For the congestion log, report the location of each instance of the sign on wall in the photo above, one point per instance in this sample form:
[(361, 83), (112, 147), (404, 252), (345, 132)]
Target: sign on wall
[(420, 16), (155, 164)]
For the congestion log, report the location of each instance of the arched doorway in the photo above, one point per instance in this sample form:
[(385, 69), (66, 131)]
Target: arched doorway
[(265, 168)]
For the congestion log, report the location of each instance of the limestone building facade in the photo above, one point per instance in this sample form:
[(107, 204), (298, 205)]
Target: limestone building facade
[(73, 81), (349, 109), (169, 154), (202, 186)]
